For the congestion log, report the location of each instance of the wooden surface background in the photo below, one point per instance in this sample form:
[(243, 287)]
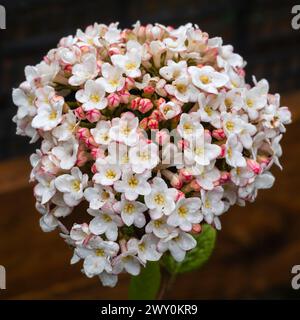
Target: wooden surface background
[(253, 258)]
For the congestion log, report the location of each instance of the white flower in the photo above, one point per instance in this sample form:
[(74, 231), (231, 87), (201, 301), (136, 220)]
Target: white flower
[(49, 115), (45, 189), (173, 70), (129, 63), (66, 130), (159, 227), (146, 248), (108, 279), (124, 129), (105, 222), (97, 259), (112, 79), (208, 109), (186, 213), (131, 212), (232, 124), (98, 196), (133, 185), (254, 101), (118, 154), (84, 71), (92, 96), (245, 136), (169, 109), (227, 58), (208, 177), (212, 205), (233, 152), (202, 151), (182, 89), (72, 186), (161, 199), (42, 74), (66, 153), (241, 176), (190, 126), (107, 174), (207, 78), (80, 234), (143, 157), (101, 132), (24, 99), (113, 34), (127, 261), (178, 242)]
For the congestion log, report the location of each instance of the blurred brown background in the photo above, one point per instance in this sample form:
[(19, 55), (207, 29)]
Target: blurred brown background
[(258, 245)]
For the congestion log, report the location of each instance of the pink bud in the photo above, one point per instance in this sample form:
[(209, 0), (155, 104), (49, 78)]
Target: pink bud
[(179, 195), (124, 96), (185, 175), (93, 115), (182, 144), (162, 137), (114, 50), (219, 134), (156, 115), (90, 142), (129, 83), (113, 100), (80, 114), (84, 49), (254, 166), (223, 151), (145, 105), (81, 158), (135, 103), (94, 168), (195, 186), (159, 101), (196, 228), (174, 179), (225, 177), (83, 133), (97, 153), (68, 68), (144, 124), (149, 90), (153, 124)]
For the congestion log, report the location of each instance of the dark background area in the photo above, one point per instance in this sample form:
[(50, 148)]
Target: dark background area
[(260, 31), (258, 245)]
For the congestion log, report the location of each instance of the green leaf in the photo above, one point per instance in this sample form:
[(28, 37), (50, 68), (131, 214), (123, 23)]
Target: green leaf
[(146, 285), (195, 258)]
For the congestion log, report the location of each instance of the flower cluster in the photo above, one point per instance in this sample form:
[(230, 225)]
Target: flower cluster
[(155, 130)]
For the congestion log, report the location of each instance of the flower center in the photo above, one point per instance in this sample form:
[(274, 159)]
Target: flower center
[(100, 253), (208, 110), (105, 195), (181, 87), (250, 103), (107, 218), (76, 185), (130, 66), (114, 82), (125, 130), (158, 223), (228, 103), (110, 174), (133, 182), (144, 155), (53, 115), (94, 98), (182, 211), (207, 204), (159, 199), (188, 127), (205, 79), (129, 208), (229, 125)]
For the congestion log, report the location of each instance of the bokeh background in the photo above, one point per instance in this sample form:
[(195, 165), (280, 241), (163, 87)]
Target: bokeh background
[(258, 245)]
